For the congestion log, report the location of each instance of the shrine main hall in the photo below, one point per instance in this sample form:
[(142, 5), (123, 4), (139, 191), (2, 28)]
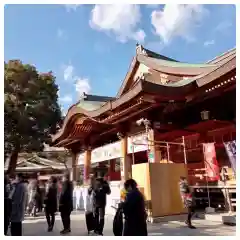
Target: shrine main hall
[(158, 126)]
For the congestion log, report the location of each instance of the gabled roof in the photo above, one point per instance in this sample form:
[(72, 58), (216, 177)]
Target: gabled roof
[(223, 57), (91, 102), (165, 65), (36, 163), (96, 98), (183, 79), (155, 55)]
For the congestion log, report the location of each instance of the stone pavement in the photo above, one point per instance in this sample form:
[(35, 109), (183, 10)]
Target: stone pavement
[(38, 227)]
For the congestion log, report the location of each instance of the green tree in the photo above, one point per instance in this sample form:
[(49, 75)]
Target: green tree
[(31, 109)]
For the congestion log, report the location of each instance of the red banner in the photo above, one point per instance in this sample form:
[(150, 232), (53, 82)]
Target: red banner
[(211, 163)]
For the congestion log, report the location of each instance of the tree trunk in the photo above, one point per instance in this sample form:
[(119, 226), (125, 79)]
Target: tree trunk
[(13, 160)]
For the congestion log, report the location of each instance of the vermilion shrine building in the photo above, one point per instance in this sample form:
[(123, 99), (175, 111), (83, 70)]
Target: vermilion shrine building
[(163, 112)]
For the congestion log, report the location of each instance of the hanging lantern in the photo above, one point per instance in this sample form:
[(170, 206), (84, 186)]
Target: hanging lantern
[(205, 115)]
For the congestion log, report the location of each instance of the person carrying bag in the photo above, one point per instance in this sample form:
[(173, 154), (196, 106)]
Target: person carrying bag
[(118, 221), (88, 206)]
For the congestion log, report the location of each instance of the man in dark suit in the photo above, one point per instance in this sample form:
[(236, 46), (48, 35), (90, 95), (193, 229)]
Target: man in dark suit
[(66, 203), (51, 203)]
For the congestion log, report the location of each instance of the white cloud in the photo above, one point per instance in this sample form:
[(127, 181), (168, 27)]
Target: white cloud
[(177, 21), (82, 85), (208, 43), (58, 92), (139, 35), (223, 26), (120, 19), (66, 99), (71, 7), (68, 72), (64, 112)]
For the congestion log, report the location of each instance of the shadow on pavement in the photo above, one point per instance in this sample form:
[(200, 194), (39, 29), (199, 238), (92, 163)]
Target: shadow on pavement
[(38, 227)]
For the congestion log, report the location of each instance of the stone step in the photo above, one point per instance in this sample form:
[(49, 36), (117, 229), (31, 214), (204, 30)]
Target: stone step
[(224, 218)]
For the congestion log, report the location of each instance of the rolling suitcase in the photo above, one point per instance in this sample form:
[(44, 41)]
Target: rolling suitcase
[(90, 221)]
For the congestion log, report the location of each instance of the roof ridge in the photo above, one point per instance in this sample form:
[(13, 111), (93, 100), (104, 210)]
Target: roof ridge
[(221, 55), (97, 98), (142, 50)]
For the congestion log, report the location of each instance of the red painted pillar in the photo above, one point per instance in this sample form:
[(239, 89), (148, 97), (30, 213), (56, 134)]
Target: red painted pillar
[(87, 166)]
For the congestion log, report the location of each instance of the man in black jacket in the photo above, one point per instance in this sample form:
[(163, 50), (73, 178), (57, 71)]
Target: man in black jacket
[(51, 203), (100, 190), (66, 203)]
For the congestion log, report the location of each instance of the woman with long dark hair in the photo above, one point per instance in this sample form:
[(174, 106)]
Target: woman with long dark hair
[(134, 211)]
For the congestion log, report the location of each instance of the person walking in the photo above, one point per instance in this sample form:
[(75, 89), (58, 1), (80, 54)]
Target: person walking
[(7, 203), (187, 199), (134, 211), (100, 191), (50, 202), (18, 196), (42, 193), (66, 203), (34, 195)]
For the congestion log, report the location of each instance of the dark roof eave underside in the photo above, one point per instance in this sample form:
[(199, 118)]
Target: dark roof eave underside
[(142, 86)]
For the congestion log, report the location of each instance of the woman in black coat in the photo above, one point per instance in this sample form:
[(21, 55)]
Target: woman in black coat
[(66, 203), (51, 203), (134, 211)]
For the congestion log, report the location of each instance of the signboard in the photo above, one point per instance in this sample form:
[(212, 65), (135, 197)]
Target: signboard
[(137, 143), (211, 163), (122, 168), (164, 78), (150, 156), (107, 152)]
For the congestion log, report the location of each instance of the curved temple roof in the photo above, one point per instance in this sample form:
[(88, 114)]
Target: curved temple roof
[(199, 74), (172, 67)]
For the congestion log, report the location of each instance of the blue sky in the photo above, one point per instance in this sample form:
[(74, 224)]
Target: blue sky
[(89, 47)]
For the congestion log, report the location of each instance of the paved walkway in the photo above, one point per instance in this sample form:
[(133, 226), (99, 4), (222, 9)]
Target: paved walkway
[(38, 227)]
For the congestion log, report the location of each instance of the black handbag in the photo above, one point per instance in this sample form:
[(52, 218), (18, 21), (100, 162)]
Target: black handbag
[(118, 222)]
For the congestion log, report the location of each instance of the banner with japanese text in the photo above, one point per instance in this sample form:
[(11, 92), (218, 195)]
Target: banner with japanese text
[(231, 152), (211, 163)]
